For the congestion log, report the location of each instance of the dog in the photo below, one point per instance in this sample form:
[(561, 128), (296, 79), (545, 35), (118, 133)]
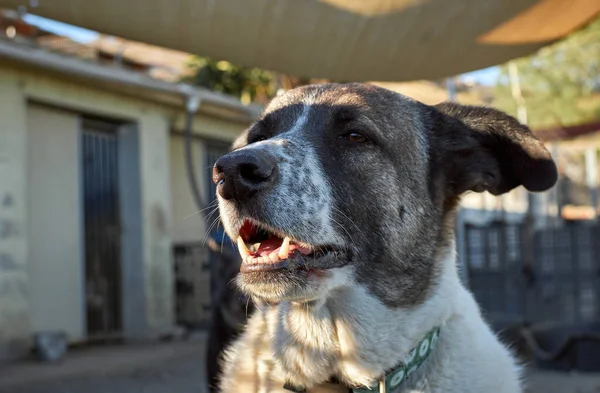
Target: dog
[(342, 199)]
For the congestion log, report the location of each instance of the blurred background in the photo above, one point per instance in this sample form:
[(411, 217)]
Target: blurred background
[(113, 266)]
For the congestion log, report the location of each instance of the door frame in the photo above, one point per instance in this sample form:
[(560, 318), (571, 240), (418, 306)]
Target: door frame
[(133, 318)]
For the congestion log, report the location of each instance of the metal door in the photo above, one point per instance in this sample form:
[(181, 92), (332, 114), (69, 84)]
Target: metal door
[(102, 229)]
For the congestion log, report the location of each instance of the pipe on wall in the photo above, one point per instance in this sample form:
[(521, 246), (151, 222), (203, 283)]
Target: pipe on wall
[(192, 105)]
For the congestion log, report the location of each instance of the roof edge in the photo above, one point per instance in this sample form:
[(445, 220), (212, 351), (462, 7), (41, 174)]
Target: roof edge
[(72, 66), (558, 133)]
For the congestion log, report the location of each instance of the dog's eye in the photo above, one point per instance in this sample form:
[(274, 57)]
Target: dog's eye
[(355, 137)]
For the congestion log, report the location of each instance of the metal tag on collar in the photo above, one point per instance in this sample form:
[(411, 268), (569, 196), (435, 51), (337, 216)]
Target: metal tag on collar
[(382, 384)]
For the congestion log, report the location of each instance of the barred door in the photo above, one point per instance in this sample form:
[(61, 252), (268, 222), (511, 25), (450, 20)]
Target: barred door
[(102, 229)]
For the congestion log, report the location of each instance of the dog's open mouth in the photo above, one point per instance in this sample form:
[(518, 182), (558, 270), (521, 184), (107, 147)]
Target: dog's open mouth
[(264, 249)]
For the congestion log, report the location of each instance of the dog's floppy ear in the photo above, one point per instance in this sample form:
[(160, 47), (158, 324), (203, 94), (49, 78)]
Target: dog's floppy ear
[(484, 149)]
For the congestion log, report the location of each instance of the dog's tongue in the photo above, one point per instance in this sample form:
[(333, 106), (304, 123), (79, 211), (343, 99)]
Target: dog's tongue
[(268, 246), (274, 244)]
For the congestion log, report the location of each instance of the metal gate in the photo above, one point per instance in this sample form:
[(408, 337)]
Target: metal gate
[(102, 229), (561, 283)]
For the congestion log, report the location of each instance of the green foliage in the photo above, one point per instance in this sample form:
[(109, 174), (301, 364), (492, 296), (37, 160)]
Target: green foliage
[(247, 84), (560, 84)]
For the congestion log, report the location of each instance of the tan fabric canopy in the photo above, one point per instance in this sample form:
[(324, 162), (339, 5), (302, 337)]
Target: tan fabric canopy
[(384, 40)]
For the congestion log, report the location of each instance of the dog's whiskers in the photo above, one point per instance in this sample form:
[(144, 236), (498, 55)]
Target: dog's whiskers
[(208, 217), (349, 219), (213, 205), (222, 238), (345, 230), (208, 231)]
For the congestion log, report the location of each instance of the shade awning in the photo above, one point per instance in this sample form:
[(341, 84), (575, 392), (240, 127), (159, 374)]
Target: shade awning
[(343, 40)]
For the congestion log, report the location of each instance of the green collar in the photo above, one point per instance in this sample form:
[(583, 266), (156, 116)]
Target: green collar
[(390, 382), (415, 358)]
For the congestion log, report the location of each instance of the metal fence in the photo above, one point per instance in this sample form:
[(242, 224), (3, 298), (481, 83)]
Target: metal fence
[(556, 280), (192, 284)]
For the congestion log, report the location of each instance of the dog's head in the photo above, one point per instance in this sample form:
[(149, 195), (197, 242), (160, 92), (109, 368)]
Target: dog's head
[(359, 179)]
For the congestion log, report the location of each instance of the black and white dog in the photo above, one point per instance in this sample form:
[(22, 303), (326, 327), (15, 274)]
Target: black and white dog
[(342, 199)]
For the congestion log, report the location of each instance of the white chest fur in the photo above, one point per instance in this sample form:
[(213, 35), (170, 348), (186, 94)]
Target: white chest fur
[(354, 336)]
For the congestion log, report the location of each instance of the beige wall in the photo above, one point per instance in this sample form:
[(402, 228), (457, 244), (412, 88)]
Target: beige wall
[(35, 294), (188, 223), (51, 302), (14, 307), (153, 127), (55, 260), (156, 220)]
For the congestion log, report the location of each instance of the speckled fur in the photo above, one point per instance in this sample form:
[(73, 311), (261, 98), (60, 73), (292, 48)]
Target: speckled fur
[(391, 202)]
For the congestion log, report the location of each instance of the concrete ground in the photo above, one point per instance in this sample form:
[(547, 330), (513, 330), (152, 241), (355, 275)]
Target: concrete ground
[(557, 382), (177, 367)]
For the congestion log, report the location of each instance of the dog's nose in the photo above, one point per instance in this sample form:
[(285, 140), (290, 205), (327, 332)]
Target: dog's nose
[(241, 174)]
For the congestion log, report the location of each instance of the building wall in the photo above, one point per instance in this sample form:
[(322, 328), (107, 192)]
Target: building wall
[(188, 222), (157, 221), (55, 263), (36, 294), (152, 124), (14, 296)]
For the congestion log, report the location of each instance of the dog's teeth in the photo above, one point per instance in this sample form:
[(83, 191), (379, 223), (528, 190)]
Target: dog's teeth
[(284, 250), (244, 252), (274, 256)]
